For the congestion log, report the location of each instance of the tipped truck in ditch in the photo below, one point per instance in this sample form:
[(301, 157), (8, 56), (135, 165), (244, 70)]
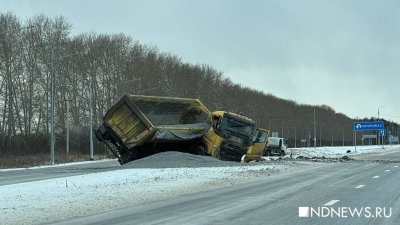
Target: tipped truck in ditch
[(138, 126)]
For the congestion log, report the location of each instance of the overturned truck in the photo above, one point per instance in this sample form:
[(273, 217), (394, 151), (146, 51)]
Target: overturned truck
[(138, 126)]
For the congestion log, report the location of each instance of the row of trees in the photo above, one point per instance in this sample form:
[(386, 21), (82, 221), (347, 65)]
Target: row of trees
[(35, 51)]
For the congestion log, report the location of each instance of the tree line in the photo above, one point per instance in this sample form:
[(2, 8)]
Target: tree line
[(39, 49)]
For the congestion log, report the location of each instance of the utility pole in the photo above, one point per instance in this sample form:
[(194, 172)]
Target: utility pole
[(91, 119), (52, 123), (315, 132), (320, 138), (67, 121)]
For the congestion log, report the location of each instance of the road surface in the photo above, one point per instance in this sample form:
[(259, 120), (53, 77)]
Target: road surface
[(14, 176), (372, 188)]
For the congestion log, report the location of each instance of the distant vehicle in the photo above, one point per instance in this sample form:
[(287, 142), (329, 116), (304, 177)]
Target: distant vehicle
[(276, 146)]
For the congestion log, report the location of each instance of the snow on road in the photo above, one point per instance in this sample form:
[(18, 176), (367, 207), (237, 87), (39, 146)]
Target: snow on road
[(55, 199)]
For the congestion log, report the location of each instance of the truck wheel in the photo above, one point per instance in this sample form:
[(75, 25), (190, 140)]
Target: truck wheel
[(200, 150), (283, 153)]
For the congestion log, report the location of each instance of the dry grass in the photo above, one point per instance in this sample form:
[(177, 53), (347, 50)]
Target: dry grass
[(22, 161)]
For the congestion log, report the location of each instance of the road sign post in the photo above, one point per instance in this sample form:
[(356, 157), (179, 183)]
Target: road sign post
[(362, 126)]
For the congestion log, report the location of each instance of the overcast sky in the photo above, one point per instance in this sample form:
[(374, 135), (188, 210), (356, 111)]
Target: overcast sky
[(345, 54)]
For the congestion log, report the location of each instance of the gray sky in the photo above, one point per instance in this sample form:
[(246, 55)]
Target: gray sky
[(344, 54)]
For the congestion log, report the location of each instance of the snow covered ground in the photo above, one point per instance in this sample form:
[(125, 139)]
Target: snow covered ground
[(54, 199), (336, 152)]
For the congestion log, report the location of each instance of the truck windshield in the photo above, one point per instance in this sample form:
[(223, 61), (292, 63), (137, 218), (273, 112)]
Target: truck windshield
[(237, 127)]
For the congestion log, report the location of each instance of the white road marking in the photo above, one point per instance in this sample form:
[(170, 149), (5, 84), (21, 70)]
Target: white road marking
[(360, 186), (375, 177), (331, 202), (387, 170), (396, 166)]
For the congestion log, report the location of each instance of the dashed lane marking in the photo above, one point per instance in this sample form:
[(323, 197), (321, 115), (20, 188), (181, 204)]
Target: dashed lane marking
[(331, 202), (387, 170), (375, 177), (360, 186)]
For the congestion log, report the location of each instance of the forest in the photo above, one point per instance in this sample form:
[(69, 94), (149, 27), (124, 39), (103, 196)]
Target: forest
[(39, 57)]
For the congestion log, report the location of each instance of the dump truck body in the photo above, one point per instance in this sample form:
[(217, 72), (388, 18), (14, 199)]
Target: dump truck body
[(230, 136), (138, 126)]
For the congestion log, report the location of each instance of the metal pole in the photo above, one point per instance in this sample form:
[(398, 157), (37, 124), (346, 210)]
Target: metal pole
[(315, 132), (320, 138), (52, 136), (67, 142), (379, 138), (355, 141), (91, 120), (295, 138)]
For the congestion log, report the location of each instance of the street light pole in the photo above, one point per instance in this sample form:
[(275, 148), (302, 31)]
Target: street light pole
[(52, 136), (67, 121), (315, 132), (91, 119)]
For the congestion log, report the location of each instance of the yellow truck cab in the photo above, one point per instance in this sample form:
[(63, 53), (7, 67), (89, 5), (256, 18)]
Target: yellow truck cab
[(255, 151), (230, 137)]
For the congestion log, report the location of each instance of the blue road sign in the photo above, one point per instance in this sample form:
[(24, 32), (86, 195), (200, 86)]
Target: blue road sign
[(376, 125), (381, 133)]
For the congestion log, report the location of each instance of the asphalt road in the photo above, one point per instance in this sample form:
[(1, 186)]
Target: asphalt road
[(15, 176), (276, 200), (381, 156)]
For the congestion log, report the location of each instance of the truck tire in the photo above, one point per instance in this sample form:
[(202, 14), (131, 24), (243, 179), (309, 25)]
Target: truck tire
[(200, 150), (283, 153)]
